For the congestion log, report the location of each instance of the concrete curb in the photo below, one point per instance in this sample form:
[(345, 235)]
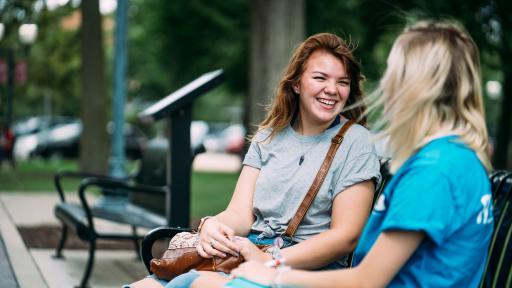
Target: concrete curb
[(26, 272)]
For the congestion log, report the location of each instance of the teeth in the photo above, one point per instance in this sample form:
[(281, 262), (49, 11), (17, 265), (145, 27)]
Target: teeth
[(327, 102)]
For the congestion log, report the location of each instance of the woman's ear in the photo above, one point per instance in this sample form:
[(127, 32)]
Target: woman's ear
[(296, 89)]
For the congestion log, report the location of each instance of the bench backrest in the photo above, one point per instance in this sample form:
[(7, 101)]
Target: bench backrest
[(385, 177), (152, 172), (498, 270)]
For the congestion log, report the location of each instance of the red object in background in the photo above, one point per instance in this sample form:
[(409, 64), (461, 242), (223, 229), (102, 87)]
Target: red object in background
[(235, 145), (3, 72), (21, 72), (8, 139)]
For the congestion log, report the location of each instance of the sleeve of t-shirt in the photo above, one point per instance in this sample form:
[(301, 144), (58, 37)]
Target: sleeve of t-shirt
[(253, 156), (422, 202), (362, 167)]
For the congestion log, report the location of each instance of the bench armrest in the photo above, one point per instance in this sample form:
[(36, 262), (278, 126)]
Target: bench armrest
[(57, 179), (111, 183), (156, 242)]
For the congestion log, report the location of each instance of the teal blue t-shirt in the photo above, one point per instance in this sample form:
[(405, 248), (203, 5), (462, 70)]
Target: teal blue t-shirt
[(443, 191)]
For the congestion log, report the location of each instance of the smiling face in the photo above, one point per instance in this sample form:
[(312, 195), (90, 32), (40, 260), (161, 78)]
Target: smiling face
[(324, 88)]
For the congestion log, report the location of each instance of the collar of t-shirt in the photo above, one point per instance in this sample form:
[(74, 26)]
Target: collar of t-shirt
[(336, 121)]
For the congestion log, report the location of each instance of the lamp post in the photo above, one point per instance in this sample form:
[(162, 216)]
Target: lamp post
[(117, 158), (27, 34)]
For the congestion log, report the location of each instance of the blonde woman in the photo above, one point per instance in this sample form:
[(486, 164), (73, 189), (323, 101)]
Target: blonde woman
[(433, 223)]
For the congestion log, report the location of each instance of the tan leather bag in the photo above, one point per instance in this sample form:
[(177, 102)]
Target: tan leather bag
[(182, 256)]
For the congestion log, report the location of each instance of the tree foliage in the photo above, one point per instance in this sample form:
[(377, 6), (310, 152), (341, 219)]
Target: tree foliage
[(53, 60), (173, 42)]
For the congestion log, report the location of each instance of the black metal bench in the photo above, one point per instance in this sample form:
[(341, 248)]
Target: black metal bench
[(132, 201), (143, 200), (498, 270)]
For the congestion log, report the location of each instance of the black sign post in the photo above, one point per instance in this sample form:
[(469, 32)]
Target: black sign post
[(177, 108)]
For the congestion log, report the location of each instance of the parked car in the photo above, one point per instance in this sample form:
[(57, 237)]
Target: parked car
[(198, 132), (63, 139), (230, 139), (36, 124), (31, 131)]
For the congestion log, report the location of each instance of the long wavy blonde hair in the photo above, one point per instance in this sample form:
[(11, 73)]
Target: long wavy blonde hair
[(432, 81), (286, 101)]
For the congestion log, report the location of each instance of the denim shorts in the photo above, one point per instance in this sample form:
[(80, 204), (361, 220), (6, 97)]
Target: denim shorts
[(257, 238)]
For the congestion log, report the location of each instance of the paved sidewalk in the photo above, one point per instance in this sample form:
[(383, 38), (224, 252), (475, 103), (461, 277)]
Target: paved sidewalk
[(7, 278), (26, 272), (112, 268)]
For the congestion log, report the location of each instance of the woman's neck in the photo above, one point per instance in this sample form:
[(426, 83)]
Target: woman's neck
[(438, 132), (307, 129)]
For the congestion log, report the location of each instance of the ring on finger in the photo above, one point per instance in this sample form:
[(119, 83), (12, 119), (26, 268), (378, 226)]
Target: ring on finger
[(212, 242)]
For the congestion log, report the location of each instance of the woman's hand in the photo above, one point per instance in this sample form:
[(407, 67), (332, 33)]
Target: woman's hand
[(215, 239), (250, 251), (256, 272)]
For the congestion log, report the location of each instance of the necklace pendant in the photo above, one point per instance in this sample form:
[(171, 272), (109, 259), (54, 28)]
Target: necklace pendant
[(301, 160)]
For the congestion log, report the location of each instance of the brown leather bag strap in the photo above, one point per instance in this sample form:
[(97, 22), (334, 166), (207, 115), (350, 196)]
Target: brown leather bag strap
[(319, 179)]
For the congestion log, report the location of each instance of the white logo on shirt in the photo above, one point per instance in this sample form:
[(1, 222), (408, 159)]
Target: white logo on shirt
[(485, 216), (380, 205)]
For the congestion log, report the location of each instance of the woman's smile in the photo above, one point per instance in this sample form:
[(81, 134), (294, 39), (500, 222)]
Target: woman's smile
[(323, 91)]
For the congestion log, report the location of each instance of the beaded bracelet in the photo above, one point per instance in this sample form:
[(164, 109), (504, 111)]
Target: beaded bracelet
[(201, 223), (276, 283), (276, 263)]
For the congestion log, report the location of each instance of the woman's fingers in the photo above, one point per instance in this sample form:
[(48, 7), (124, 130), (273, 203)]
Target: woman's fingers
[(222, 245), (227, 240), (201, 252), (210, 249), (216, 238)]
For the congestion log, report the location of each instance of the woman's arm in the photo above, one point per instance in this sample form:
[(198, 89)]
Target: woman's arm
[(238, 215), (237, 219), (389, 253), (350, 211)]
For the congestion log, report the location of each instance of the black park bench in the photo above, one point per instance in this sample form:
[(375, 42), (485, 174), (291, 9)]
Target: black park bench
[(143, 199), (137, 200)]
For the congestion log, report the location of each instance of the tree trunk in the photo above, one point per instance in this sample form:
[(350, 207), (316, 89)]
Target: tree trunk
[(276, 28), (94, 139)]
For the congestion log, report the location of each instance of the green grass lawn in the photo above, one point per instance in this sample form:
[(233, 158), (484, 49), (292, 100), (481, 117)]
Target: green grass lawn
[(210, 191), (34, 176)]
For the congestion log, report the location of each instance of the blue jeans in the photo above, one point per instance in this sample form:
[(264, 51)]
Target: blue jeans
[(184, 280), (163, 282)]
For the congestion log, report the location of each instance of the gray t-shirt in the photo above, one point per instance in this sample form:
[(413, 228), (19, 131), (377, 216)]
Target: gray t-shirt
[(282, 183)]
